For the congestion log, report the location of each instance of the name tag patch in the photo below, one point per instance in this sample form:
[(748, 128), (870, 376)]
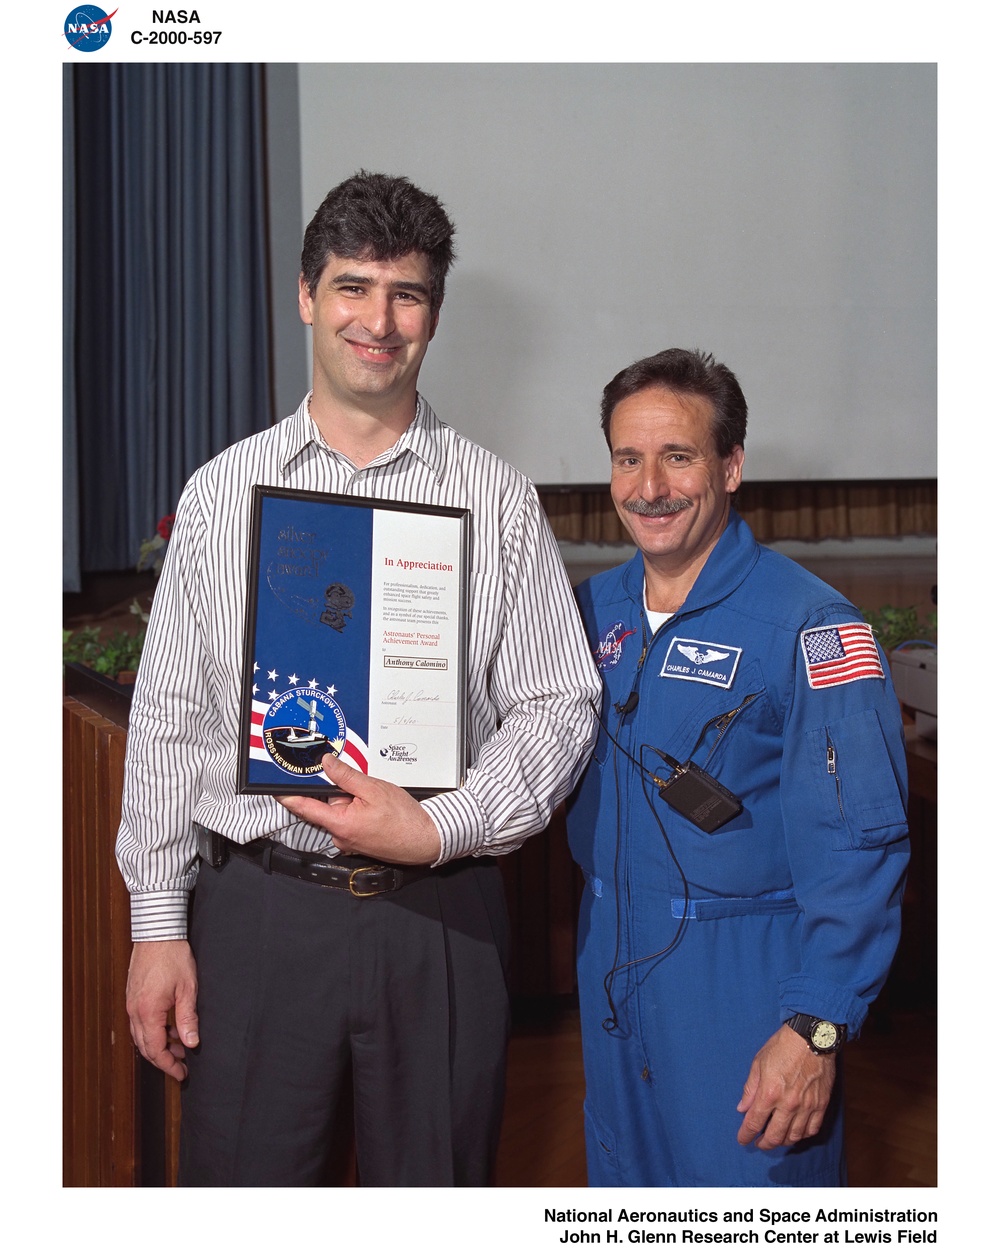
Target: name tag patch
[(690, 659)]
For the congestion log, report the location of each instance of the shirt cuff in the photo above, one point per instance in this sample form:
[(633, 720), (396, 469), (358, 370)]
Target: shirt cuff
[(159, 915), (823, 999), (462, 824)]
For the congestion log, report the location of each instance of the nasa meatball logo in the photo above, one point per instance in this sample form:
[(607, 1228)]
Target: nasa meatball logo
[(608, 651), (300, 727), (88, 28)]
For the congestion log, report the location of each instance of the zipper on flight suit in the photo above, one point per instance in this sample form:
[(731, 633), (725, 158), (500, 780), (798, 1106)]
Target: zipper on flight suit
[(722, 723), (831, 768)]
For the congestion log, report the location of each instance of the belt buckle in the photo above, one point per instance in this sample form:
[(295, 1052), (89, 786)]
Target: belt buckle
[(364, 893)]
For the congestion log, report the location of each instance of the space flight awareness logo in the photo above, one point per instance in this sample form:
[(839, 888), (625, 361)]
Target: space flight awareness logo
[(88, 28)]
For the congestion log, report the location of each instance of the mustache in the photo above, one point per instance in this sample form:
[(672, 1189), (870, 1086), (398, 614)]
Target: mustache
[(659, 507)]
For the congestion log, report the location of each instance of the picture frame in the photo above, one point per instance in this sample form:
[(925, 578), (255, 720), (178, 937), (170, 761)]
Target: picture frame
[(356, 642)]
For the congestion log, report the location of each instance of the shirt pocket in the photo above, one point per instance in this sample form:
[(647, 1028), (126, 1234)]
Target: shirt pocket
[(863, 800)]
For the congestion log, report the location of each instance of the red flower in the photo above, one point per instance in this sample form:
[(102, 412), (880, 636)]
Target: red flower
[(165, 526)]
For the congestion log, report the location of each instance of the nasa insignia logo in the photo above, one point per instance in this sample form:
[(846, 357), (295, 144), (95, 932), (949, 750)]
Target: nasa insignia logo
[(608, 651), (300, 727), (88, 28)]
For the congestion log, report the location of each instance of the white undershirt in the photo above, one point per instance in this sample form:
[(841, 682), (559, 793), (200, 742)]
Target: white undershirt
[(656, 619)]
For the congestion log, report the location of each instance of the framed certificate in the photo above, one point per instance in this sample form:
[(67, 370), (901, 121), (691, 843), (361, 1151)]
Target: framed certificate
[(355, 643)]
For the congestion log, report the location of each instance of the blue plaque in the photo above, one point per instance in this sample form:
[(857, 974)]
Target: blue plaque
[(356, 642)]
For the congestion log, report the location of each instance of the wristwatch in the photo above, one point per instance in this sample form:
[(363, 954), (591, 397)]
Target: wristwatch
[(824, 1037)]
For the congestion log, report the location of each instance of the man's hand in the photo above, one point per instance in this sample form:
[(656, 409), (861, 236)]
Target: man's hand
[(786, 1093), (161, 976), (372, 818)]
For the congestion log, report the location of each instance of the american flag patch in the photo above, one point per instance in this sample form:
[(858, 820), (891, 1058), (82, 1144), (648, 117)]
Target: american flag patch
[(837, 654)]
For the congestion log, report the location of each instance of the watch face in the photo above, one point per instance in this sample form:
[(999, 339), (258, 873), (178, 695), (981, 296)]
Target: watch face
[(824, 1035)]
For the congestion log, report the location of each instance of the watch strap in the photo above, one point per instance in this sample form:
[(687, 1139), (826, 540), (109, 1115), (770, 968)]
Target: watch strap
[(805, 1025)]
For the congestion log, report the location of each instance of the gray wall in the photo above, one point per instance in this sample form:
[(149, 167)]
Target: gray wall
[(781, 216)]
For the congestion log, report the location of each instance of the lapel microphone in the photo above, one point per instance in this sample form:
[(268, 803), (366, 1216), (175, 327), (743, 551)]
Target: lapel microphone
[(630, 704)]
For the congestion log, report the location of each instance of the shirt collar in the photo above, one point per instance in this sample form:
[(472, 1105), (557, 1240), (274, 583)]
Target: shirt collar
[(422, 438), (728, 564), (295, 436)]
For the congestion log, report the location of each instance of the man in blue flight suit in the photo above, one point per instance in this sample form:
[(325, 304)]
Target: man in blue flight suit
[(742, 826)]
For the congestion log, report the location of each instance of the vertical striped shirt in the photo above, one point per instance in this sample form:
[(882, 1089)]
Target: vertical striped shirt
[(533, 687)]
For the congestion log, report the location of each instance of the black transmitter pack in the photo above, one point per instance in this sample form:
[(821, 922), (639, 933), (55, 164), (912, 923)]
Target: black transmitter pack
[(698, 796)]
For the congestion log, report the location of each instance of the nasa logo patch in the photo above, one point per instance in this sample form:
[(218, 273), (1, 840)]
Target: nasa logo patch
[(689, 659), (608, 651)]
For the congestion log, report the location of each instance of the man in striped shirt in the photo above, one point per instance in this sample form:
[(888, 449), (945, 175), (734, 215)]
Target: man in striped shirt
[(289, 985)]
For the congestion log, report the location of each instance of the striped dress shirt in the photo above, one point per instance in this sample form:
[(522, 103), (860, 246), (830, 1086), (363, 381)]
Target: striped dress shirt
[(533, 686)]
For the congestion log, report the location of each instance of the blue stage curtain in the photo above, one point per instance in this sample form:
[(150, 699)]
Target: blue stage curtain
[(71, 485), (167, 317)]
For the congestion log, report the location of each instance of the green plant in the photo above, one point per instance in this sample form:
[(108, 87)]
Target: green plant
[(894, 626), (115, 654)]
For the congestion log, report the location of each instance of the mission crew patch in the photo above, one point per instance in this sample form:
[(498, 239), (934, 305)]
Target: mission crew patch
[(692, 660)]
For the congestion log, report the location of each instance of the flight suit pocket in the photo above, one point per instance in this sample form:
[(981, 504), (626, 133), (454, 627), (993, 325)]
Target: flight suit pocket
[(602, 1150), (863, 799), (707, 720)]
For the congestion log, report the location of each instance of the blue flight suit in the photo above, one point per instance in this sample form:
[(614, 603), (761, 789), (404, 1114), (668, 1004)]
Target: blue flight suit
[(792, 906)]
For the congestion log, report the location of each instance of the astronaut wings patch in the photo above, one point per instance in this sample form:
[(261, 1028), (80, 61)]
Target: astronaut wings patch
[(838, 654), (691, 659)]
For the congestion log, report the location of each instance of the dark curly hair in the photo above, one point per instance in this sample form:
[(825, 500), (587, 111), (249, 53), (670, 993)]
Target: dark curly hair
[(379, 217), (685, 373)]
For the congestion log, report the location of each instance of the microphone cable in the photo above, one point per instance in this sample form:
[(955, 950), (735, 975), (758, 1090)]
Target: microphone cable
[(611, 1022)]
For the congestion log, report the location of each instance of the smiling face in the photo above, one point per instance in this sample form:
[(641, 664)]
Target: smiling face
[(670, 486), (371, 321)]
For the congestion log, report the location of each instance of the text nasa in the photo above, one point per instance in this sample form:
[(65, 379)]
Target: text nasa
[(766, 1215), (165, 23), (748, 1236), (745, 1237)]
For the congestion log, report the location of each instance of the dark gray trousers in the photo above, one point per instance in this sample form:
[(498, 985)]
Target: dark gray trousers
[(301, 986)]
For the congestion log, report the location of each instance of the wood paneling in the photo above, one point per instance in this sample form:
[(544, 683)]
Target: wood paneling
[(105, 1106), (100, 1106), (543, 888), (808, 511)]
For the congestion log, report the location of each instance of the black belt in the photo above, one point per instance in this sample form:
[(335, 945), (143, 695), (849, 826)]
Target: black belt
[(361, 877)]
